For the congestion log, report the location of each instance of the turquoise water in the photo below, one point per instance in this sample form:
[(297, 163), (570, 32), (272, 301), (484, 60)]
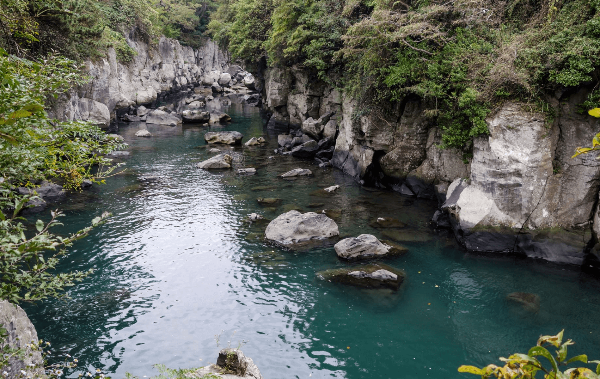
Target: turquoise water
[(177, 265)]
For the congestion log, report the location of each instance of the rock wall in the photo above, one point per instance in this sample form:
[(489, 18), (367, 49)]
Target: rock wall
[(21, 333), (521, 192), (156, 68)]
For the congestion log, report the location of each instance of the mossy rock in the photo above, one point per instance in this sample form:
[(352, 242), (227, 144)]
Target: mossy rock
[(366, 276), (316, 205), (263, 188), (268, 201), (387, 222), (335, 214), (397, 249)]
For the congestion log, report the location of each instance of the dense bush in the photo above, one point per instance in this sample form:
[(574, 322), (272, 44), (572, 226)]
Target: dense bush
[(462, 58), (33, 148), (86, 28)]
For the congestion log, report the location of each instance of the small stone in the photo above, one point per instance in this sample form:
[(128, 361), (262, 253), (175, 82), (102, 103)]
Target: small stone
[(331, 189), (143, 133), (246, 171), (297, 172)]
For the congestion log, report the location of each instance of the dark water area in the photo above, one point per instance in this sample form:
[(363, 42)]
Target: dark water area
[(177, 268)]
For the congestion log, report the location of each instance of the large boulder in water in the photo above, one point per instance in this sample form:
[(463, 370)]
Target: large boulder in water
[(295, 227), (367, 276), (195, 116), (221, 161), (362, 247), (226, 138), (161, 117)]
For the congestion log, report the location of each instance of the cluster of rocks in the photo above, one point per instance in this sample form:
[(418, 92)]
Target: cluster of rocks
[(314, 140), (225, 160), (294, 228)]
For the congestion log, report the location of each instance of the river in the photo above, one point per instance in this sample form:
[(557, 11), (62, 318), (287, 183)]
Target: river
[(179, 275)]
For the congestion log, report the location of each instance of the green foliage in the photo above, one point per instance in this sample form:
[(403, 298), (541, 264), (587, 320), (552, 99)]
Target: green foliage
[(463, 58), (34, 147), (527, 366), (87, 28)]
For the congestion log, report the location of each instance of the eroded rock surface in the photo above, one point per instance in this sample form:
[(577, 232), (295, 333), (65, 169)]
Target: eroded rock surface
[(295, 227), (226, 138)]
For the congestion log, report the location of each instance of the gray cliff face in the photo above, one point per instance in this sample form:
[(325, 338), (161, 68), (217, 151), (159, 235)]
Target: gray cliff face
[(21, 333), (163, 67), (520, 180)]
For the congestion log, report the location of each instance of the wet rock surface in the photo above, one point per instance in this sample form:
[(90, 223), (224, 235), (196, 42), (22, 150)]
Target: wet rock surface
[(218, 162), (294, 227), (225, 138), (368, 276), (362, 247)]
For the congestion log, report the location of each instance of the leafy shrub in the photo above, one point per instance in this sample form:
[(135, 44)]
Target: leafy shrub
[(526, 366)]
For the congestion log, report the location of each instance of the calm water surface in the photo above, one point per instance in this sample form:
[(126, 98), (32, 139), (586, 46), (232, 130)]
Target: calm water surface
[(177, 269)]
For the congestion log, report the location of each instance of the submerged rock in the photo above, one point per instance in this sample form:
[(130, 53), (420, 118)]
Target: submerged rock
[(221, 161), (268, 201), (297, 172), (529, 301), (143, 133), (361, 247), (226, 138), (294, 227), (367, 276), (406, 235), (387, 222)]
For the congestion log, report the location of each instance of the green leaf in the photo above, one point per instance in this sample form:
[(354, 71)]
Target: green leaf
[(542, 351), (578, 358), (596, 140), (39, 225), (598, 367), (562, 352), (471, 370)]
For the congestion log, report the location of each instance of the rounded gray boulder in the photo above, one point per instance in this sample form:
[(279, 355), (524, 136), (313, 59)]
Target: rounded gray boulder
[(361, 247), (295, 227)]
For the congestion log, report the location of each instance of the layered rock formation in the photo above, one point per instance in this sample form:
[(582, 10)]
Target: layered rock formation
[(162, 67), (521, 190)]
